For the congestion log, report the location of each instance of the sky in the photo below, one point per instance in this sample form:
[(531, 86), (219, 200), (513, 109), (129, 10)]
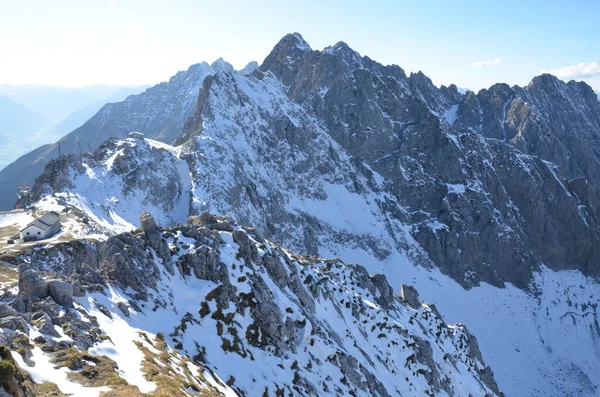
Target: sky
[(472, 44)]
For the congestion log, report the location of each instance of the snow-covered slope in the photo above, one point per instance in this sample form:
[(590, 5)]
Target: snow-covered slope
[(227, 298), (354, 159), (111, 186)]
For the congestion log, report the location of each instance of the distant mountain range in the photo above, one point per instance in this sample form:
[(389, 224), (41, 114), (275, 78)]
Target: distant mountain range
[(54, 104), (81, 115), (17, 118), (32, 115)]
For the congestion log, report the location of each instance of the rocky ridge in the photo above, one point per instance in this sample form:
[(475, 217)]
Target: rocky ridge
[(333, 154), (226, 298), (160, 112)]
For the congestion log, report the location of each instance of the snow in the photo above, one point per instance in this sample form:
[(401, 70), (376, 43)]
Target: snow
[(456, 188), (16, 218), (184, 295), (121, 346), (537, 345), (45, 371), (450, 114), (341, 209), (105, 196), (125, 331)]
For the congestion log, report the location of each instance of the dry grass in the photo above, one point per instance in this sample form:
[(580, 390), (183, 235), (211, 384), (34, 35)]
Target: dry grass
[(103, 373), (123, 391), (170, 382), (47, 390), (9, 276)]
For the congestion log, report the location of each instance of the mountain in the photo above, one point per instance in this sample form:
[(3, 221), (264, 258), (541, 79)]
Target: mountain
[(194, 308), (55, 104), (18, 128), (249, 68), (18, 119), (80, 116), (160, 112), (486, 202), (31, 127)]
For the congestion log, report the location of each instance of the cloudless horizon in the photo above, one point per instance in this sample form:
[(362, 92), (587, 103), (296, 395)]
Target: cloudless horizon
[(133, 42)]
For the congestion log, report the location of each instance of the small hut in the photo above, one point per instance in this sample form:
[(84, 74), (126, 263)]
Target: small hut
[(42, 227)]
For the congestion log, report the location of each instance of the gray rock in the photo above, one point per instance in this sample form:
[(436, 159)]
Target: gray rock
[(61, 292), (410, 296), (124, 308), (7, 311), (14, 323), (147, 223), (153, 234), (386, 293), (31, 283), (276, 270)]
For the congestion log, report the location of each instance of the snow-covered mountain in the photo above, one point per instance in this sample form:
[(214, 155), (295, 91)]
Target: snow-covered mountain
[(160, 111), (485, 202), (217, 299)]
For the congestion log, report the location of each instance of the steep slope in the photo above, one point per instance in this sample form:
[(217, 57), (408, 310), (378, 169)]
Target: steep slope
[(160, 112), (476, 207), (549, 118), (334, 154), (413, 134), (80, 116), (350, 218), (216, 298), (112, 185)]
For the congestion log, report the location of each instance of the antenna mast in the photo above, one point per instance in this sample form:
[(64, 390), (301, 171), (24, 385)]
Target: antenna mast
[(25, 194)]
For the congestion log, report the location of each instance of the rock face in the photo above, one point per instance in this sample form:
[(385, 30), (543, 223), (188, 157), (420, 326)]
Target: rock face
[(318, 327), (427, 144), (33, 288), (334, 154)]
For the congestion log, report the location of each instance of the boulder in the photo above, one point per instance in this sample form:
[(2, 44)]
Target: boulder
[(124, 308), (147, 223), (154, 236), (386, 292), (410, 296), (61, 292), (32, 284), (10, 318)]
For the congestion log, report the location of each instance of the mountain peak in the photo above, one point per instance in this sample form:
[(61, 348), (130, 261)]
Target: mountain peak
[(291, 42), (249, 68), (222, 66), (544, 80), (297, 40)]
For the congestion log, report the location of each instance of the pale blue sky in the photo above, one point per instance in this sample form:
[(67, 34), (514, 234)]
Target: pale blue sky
[(470, 43)]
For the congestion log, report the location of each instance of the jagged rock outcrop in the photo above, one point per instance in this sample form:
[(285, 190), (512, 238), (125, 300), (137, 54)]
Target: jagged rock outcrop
[(61, 292), (119, 180), (336, 155), (417, 136), (319, 327)]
